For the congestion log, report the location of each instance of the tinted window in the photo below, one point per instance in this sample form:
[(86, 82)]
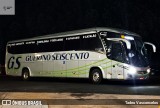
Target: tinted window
[(86, 42), (56, 44), (45, 45), (91, 42), (18, 49), (115, 51), (72, 43)]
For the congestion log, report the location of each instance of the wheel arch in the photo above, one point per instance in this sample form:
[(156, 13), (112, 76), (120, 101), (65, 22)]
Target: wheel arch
[(27, 69), (97, 67)]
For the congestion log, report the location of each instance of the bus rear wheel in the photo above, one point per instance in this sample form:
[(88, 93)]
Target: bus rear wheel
[(96, 76), (25, 74)]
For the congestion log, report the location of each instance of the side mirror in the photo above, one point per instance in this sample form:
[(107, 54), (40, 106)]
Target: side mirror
[(153, 46)]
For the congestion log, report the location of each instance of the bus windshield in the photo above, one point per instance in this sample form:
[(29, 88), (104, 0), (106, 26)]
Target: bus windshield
[(138, 53)]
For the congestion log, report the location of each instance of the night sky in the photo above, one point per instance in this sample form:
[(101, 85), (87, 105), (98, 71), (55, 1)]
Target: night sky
[(40, 17)]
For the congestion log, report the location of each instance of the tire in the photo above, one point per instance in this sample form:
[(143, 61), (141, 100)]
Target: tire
[(25, 74), (96, 76)]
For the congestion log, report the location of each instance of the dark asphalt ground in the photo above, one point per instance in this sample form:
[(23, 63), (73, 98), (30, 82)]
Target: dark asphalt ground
[(60, 85)]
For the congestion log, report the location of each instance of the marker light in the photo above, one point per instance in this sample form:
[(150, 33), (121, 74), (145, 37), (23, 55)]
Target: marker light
[(132, 70), (129, 38), (122, 36)]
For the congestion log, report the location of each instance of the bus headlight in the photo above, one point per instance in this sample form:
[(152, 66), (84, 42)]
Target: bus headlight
[(148, 70), (132, 70)]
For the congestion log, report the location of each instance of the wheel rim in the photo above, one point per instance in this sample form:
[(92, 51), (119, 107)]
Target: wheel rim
[(96, 77), (25, 75)]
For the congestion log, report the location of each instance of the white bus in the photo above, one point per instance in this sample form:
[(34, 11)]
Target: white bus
[(94, 53)]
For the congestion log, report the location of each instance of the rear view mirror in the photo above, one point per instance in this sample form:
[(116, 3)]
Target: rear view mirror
[(153, 46)]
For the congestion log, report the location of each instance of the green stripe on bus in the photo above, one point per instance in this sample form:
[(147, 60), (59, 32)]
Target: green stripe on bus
[(81, 72), (81, 66), (78, 72)]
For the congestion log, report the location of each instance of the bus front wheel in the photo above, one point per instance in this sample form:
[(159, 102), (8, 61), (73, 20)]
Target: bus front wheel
[(96, 76), (25, 74)]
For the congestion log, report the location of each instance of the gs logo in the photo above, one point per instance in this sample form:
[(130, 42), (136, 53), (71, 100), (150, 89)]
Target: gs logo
[(13, 63)]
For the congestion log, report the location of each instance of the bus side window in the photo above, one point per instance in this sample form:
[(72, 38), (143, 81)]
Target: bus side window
[(92, 44), (72, 43), (115, 52), (51, 46)]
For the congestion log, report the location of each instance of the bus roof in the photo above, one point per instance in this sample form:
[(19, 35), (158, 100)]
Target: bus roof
[(79, 32)]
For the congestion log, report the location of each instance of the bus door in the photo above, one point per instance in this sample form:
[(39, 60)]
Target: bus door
[(115, 53)]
